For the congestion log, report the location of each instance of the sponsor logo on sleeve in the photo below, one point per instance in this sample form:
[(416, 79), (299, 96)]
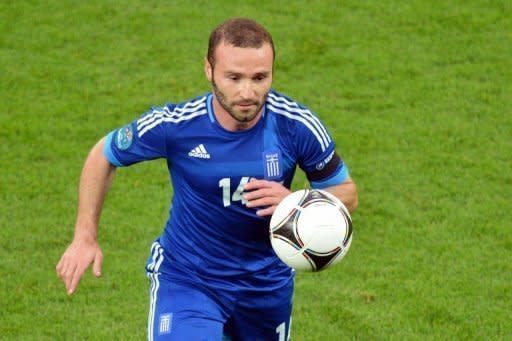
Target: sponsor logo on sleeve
[(321, 164), (124, 137)]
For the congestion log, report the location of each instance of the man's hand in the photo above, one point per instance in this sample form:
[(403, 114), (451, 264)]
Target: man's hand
[(77, 258), (265, 194)]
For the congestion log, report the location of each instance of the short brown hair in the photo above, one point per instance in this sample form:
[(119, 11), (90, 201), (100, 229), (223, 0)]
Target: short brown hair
[(239, 32)]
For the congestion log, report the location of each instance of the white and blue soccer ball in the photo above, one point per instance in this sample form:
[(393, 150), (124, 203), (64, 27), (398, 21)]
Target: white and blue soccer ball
[(311, 230)]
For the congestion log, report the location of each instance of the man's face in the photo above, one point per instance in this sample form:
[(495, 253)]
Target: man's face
[(241, 79)]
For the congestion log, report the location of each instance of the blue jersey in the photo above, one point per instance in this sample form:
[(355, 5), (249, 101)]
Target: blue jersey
[(210, 230)]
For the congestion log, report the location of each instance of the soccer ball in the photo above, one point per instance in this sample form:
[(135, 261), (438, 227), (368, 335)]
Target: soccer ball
[(311, 230)]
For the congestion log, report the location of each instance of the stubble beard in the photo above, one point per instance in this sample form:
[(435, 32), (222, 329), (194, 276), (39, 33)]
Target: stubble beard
[(245, 116)]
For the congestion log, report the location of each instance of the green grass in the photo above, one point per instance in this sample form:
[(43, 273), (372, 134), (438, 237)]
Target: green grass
[(417, 94)]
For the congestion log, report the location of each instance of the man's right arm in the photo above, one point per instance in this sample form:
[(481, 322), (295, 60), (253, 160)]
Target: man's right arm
[(84, 250)]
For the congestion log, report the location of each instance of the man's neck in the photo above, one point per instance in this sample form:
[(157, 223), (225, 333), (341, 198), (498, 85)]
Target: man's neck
[(228, 122)]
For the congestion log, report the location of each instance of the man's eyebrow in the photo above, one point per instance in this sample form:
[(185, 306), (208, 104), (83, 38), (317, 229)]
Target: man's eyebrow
[(261, 73)]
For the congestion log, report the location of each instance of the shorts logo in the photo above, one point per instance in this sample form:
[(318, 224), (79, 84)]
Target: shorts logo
[(165, 324), (124, 137)]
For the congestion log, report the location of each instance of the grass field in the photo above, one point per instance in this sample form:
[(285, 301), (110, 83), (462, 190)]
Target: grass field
[(417, 94)]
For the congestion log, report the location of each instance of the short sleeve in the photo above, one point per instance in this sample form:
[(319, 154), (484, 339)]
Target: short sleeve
[(318, 157), (141, 140)]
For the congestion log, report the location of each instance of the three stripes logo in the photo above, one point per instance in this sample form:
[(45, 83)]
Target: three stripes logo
[(200, 152)]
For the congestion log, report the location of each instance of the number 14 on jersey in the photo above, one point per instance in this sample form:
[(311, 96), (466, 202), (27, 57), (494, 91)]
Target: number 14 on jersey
[(227, 197)]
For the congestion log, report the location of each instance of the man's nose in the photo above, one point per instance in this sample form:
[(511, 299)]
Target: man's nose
[(246, 90)]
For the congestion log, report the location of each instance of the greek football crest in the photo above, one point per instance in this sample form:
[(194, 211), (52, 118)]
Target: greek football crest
[(272, 165), (165, 324)]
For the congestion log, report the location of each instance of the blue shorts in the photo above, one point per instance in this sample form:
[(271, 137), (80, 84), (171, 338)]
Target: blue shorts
[(185, 306)]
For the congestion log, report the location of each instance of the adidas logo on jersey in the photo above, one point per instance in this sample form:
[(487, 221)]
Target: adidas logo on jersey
[(200, 152)]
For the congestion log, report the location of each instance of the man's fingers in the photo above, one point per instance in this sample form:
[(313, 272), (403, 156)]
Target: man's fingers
[(263, 201), (255, 184), (98, 261), (58, 268), (264, 195), (260, 193), (67, 275), (62, 269), (75, 261), (266, 211), (75, 279)]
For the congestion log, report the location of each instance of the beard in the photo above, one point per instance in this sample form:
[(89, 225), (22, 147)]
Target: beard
[(244, 115)]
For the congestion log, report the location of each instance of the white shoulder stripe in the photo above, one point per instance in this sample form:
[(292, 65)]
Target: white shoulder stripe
[(193, 104), (295, 108), (321, 140), (156, 113), (172, 119), (178, 114), (303, 115)]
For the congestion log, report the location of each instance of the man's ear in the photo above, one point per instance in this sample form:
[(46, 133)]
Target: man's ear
[(208, 69)]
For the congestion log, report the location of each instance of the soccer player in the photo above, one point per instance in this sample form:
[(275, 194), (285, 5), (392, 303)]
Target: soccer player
[(231, 154)]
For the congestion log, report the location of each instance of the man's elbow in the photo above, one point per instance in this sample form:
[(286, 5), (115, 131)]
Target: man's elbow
[(354, 204), (353, 198)]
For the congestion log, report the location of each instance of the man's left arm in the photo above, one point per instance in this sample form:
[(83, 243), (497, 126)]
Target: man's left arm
[(268, 194), (346, 192)]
